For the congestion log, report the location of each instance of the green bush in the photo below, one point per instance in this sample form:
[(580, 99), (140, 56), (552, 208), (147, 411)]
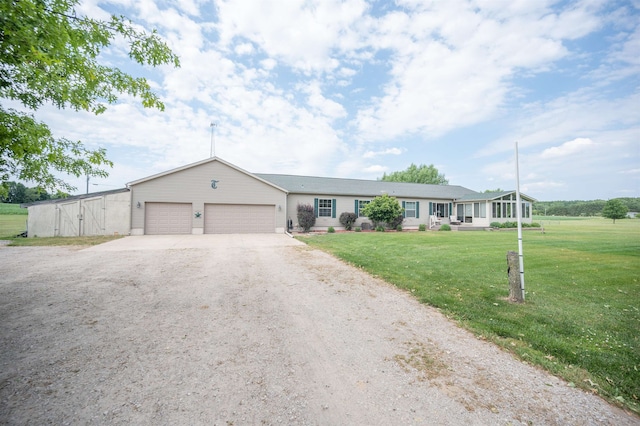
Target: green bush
[(496, 225), (535, 225), (445, 227), (331, 230), (347, 219), (306, 217), (422, 227), (399, 228), (379, 228), (358, 229), (383, 209), (396, 222)]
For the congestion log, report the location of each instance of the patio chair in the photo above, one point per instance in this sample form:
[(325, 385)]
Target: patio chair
[(433, 221), (454, 220)]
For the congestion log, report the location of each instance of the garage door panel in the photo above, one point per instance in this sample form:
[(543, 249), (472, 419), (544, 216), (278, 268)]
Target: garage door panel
[(239, 219), (167, 218)]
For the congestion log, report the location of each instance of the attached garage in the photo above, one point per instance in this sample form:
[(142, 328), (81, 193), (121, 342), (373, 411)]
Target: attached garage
[(167, 218), (208, 197), (239, 219)]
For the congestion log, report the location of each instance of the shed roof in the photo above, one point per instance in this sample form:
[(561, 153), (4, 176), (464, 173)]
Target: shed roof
[(76, 197), (360, 187)]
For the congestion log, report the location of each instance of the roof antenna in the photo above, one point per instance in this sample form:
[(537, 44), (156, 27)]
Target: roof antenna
[(212, 152)]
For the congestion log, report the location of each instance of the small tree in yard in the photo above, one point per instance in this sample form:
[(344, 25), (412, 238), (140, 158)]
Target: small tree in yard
[(306, 217), (615, 209), (383, 209), (347, 220)]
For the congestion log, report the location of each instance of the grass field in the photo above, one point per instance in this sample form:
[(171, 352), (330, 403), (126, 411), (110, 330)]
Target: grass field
[(12, 220), (581, 318)]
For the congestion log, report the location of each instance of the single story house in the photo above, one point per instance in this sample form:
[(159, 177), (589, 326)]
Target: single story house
[(213, 196)]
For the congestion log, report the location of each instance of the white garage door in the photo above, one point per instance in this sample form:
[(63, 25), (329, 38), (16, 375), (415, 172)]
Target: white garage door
[(167, 218), (239, 219)]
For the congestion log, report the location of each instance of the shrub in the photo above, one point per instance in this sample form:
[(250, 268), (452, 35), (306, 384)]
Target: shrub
[(379, 228), (399, 228), (347, 220), (358, 229), (422, 227), (535, 225), (396, 222), (306, 217), (445, 227), (383, 209), (496, 225), (331, 230)]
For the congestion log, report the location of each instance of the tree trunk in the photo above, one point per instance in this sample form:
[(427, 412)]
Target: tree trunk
[(513, 271)]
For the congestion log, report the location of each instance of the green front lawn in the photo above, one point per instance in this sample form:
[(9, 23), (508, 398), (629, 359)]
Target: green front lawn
[(581, 318)]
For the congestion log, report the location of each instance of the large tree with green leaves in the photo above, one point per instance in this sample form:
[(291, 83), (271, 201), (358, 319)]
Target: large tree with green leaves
[(51, 55), (417, 174), (614, 209)]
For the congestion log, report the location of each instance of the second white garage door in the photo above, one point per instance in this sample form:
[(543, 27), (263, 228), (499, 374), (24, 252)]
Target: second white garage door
[(239, 219)]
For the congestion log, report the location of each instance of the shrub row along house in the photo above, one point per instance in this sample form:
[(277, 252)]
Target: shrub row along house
[(215, 197)]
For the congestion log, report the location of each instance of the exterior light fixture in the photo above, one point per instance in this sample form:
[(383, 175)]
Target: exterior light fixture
[(138, 205)]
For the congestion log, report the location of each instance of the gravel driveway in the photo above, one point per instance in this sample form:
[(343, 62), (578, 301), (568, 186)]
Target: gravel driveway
[(238, 330)]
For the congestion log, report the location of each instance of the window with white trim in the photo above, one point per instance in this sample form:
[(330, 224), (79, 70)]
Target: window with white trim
[(410, 209), (361, 205), (324, 207)]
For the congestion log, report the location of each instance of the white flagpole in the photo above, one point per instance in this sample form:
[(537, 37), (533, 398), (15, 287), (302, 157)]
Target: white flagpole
[(519, 213)]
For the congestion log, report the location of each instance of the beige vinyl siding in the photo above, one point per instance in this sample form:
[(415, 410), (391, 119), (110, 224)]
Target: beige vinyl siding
[(193, 185), (239, 219), (347, 204)]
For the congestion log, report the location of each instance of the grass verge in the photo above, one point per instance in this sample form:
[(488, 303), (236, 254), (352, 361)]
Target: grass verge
[(62, 241), (582, 313)]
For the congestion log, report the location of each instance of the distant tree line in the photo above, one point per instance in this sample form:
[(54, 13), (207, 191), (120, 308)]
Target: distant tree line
[(17, 193), (580, 208)]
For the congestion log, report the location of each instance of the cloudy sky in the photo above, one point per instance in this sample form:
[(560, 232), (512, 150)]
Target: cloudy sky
[(357, 88)]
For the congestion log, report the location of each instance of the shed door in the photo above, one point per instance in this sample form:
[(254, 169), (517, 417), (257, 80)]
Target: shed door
[(68, 220), (93, 217), (239, 219), (167, 218)]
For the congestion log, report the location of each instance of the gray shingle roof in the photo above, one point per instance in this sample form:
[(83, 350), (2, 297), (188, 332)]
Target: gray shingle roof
[(482, 196), (361, 187)]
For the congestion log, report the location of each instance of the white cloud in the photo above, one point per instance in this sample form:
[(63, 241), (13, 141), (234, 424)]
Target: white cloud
[(578, 145), (244, 48), (630, 172), (389, 151), (452, 65), (375, 169), (269, 63), (304, 35)]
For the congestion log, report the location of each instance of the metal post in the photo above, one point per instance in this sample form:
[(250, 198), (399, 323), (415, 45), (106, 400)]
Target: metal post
[(519, 210), (212, 152)]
